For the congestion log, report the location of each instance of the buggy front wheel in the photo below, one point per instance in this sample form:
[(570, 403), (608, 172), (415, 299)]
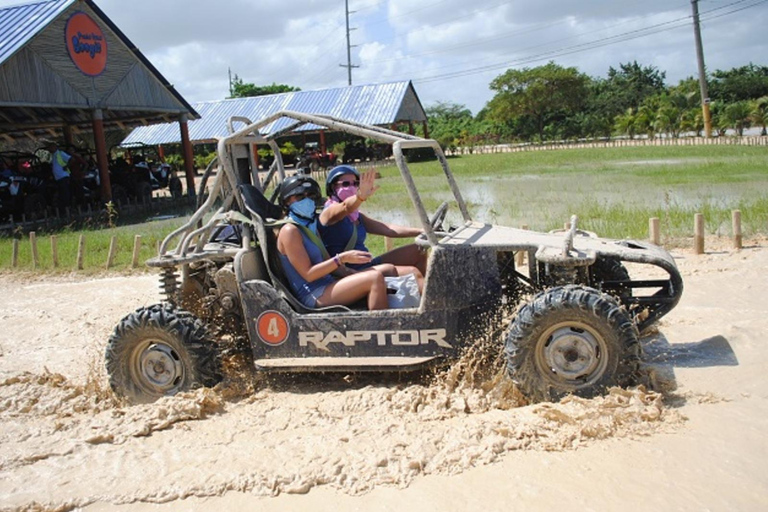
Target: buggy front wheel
[(571, 340)]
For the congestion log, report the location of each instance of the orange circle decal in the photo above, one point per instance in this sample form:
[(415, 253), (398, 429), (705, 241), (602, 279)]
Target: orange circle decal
[(272, 328), (86, 44)]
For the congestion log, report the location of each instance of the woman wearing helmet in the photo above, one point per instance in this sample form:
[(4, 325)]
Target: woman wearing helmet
[(306, 262), (343, 226)]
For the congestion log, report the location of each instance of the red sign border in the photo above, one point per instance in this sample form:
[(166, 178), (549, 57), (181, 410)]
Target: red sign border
[(104, 37)]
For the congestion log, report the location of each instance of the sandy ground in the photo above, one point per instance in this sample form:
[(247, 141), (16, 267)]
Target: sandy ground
[(696, 443)]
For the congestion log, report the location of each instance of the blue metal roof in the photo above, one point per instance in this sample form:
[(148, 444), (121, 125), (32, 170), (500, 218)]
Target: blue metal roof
[(20, 23), (374, 104)]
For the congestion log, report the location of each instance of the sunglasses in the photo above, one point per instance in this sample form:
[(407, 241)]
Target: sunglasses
[(347, 183)]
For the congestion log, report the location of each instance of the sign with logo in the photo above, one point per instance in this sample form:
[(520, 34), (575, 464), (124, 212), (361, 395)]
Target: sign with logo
[(272, 328), (86, 44)]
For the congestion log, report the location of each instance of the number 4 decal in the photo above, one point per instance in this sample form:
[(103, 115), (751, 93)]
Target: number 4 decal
[(272, 328)]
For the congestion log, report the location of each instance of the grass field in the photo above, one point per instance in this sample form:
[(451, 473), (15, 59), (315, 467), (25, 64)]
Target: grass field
[(613, 191)]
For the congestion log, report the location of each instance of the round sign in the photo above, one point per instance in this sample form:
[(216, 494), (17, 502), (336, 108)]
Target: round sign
[(272, 328), (86, 44)]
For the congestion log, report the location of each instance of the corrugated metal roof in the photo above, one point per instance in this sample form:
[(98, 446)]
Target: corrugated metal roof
[(374, 104), (20, 23)]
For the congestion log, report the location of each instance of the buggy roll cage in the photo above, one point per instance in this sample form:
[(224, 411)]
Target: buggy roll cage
[(194, 234)]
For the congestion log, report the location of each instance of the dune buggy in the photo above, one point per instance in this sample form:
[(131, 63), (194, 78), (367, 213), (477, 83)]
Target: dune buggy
[(574, 329)]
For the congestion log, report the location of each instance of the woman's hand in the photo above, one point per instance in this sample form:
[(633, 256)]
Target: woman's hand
[(367, 185), (355, 257)]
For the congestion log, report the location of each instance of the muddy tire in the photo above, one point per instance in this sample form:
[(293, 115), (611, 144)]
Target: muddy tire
[(119, 195), (143, 192), (174, 186), (34, 206), (159, 351), (571, 340), (610, 269)]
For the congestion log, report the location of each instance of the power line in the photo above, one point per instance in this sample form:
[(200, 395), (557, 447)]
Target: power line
[(635, 34)]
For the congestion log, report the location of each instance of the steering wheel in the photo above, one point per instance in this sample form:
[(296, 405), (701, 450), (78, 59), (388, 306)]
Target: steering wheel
[(437, 219)]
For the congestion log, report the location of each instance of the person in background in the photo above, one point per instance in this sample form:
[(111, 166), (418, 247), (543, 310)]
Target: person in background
[(316, 278), (343, 226), (61, 173)]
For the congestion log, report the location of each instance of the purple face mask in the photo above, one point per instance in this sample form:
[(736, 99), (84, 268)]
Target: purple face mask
[(344, 193)]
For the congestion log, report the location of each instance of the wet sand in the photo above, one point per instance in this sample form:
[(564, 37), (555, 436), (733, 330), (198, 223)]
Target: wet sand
[(695, 442)]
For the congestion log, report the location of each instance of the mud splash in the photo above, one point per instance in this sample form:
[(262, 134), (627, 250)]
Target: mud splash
[(270, 437)]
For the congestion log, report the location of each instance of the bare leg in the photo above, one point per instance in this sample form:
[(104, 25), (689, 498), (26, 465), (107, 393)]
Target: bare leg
[(353, 288), (407, 255)]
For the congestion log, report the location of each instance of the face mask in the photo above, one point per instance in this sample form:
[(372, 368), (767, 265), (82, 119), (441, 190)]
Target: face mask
[(303, 211), (344, 193)]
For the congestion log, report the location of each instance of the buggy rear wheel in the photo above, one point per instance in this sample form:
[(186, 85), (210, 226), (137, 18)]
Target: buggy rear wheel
[(159, 351), (571, 340)]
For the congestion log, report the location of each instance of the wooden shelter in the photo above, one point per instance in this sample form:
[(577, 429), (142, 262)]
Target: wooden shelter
[(66, 68)]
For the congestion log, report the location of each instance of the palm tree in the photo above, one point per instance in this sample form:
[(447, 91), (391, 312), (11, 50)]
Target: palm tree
[(626, 123), (737, 116), (759, 113)]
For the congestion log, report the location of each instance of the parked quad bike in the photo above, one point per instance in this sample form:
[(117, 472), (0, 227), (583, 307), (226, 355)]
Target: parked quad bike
[(26, 187), (315, 159), (575, 329)]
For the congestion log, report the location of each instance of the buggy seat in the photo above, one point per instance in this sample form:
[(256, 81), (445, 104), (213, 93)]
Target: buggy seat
[(265, 216)]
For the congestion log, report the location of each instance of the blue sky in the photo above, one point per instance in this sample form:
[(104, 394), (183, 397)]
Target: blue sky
[(451, 49)]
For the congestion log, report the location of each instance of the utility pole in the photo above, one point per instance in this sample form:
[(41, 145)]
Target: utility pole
[(348, 65), (231, 92), (702, 70)]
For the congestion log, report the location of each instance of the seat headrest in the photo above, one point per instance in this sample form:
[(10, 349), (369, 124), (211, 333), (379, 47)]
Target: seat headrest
[(258, 204)]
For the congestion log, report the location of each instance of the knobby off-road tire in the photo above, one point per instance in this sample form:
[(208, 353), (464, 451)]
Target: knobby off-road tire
[(159, 351), (571, 340), (610, 269)]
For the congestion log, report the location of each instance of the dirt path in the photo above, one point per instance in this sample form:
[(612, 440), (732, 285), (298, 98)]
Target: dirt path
[(347, 445)]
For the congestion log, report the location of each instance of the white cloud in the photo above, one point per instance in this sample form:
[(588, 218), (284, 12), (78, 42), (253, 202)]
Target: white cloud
[(302, 42)]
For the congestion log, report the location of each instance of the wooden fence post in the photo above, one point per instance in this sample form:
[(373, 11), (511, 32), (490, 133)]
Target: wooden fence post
[(15, 253), (520, 256), (388, 244), (698, 233), (136, 249), (112, 250), (54, 251), (33, 243), (653, 228), (80, 252), (736, 222)]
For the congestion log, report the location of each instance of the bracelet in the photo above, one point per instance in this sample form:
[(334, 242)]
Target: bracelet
[(337, 260), (360, 198)]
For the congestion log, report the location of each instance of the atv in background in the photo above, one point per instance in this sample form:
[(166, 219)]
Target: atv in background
[(571, 317), (315, 159), (139, 171), (25, 187)]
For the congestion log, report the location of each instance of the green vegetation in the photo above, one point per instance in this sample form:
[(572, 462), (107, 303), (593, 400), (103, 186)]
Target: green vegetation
[(551, 102), (613, 191)]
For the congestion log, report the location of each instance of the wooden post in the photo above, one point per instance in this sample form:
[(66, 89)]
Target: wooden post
[(80, 252), (521, 254), (15, 253), (388, 244), (653, 228), (736, 222), (112, 250), (54, 251), (698, 233), (33, 243), (136, 249)]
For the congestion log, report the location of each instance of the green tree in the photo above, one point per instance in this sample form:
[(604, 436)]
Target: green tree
[(545, 94), (739, 84), (447, 122), (240, 89), (626, 87), (627, 123)]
